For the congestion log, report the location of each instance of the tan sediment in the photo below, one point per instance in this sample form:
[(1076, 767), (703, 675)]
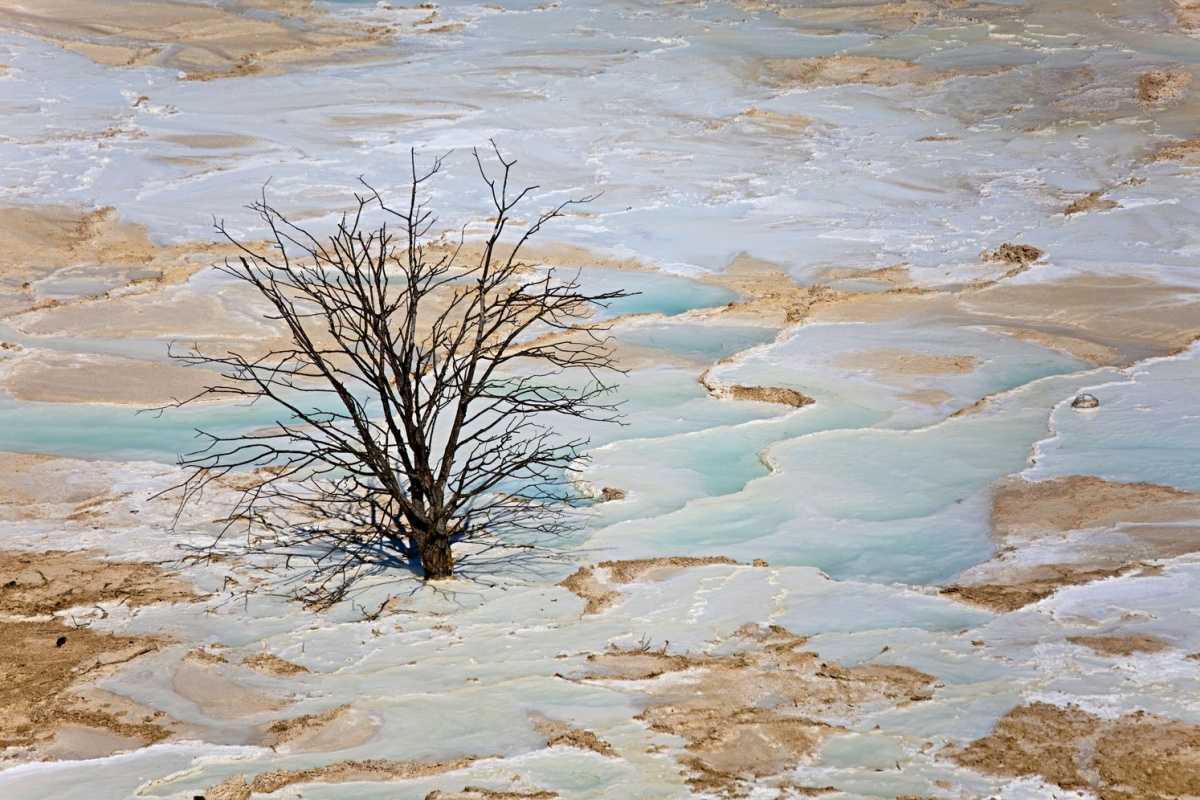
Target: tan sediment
[(1009, 253), (1022, 508), (775, 121), (630, 570), (33, 584), (841, 70), (1163, 86), (480, 793), (1106, 310), (1082, 349), (1031, 584), (610, 494), (337, 728), (44, 663), (768, 294), (561, 734), (766, 394), (1187, 151), (200, 41), (757, 711), (47, 664), (39, 241), (238, 788), (888, 17), (47, 376), (272, 664), (1093, 201), (34, 486), (211, 141), (218, 696), (1121, 645), (1153, 519), (598, 594), (895, 361), (1138, 755), (595, 594), (928, 397), (1187, 13), (895, 276)]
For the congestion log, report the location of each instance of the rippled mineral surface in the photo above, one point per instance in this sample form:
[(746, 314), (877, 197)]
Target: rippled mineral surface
[(858, 538)]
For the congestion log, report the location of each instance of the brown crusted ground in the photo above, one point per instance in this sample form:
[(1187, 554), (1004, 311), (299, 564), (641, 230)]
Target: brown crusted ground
[(45, 663), (1026, 510), (770, 394), (273, 665), (238, 788), (757, 711), (42, 662), (1162, 86), (1008, 253), (34, 584), (560, 734), (1021, 507), (1136, 756), (479, 793), (1030, 586), (1124, 645), (597, 593)]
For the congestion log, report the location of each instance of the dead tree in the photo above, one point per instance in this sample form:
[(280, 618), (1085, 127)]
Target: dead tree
[(417, 390)]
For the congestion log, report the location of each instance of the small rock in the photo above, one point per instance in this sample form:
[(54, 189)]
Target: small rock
[(1085, 401), (609, 493)]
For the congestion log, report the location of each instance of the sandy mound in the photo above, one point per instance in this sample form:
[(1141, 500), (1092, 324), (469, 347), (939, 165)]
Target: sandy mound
[(1136, 756), (1163, 86), (758, 710)]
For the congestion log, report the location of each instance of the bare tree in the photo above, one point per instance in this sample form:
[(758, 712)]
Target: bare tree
[(416, 392)]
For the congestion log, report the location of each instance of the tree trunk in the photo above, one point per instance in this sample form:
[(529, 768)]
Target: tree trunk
[(436, 559)]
